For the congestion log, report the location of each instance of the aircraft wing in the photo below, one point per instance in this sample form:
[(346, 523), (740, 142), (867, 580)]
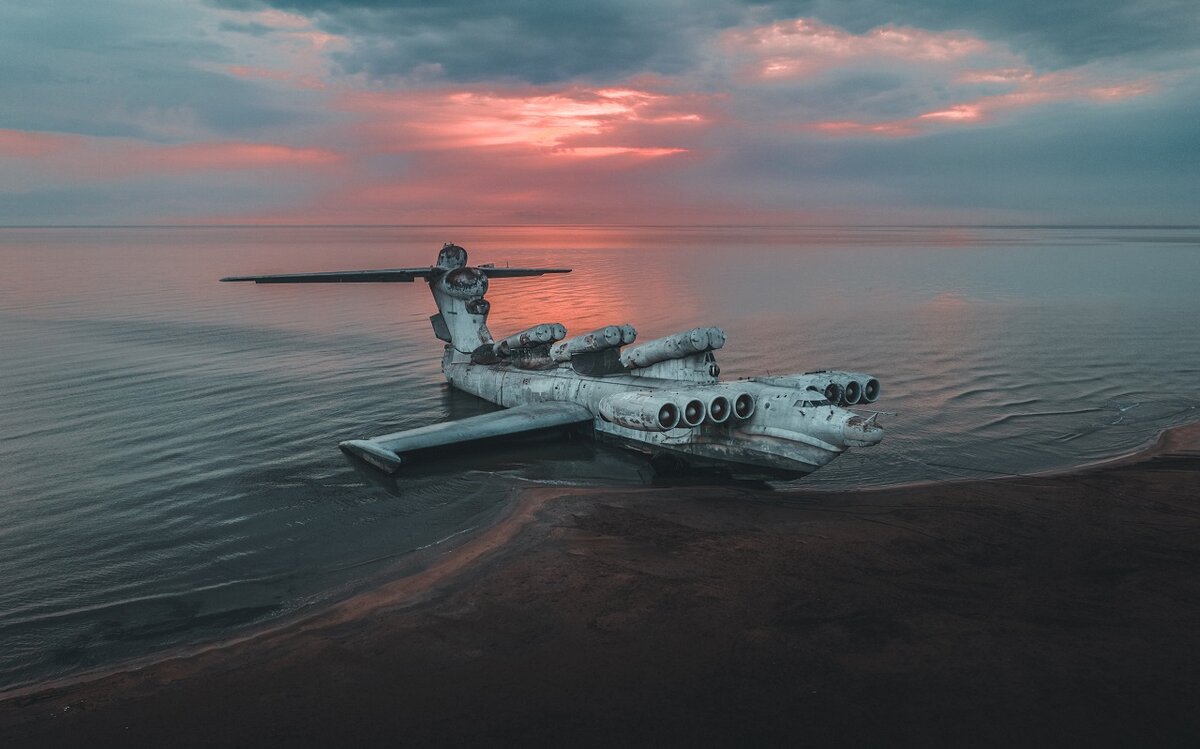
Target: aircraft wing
[(385, 452), (344, 276)]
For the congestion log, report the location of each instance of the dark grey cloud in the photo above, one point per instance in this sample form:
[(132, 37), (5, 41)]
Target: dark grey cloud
[(526, 40), (1075, 162), (1053, 33), (542, 42), (132, 68), (251, 28)]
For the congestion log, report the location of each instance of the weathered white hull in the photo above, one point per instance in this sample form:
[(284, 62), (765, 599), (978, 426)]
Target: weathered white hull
[(660, 397), (778, 439)]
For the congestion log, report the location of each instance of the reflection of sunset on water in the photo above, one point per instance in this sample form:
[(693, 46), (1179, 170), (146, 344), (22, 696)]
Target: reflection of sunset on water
[(644, 289)]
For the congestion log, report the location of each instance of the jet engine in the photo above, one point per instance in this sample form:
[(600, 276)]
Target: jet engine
[(742, 405), (718, 408), (538, 335), (842, 388), (691, 410), (871, 390), (858, 387), (645, 411)]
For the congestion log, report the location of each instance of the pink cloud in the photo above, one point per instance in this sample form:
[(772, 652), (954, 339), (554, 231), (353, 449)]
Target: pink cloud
[(226, 156), (566, 123), (1028, 90), (281, 76), (93, 157), (803, 46), (23, 143)]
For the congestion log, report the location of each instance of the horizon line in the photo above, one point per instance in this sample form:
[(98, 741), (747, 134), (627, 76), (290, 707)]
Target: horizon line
[(599, 226)]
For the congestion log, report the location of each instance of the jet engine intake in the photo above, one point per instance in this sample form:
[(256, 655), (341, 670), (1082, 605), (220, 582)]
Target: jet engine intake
[(719, 409), (871, 390), (852, 392), (743, 405), (645, 411), (694, 341), (691, 410), (841, 388)]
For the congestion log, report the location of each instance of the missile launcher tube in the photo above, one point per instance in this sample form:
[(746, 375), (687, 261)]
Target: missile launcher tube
[(676, 346), (538, 335), (605, 338)]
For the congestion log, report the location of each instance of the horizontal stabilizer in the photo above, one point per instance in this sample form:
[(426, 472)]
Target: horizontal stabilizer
[(385, 451), (493, 272), (344, 276)]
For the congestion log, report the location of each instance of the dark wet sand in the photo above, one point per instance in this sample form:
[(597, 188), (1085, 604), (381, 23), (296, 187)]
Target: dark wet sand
[(1057, 610)]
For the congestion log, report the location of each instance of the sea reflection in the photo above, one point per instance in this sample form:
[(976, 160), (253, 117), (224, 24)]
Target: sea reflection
[(172, 440)]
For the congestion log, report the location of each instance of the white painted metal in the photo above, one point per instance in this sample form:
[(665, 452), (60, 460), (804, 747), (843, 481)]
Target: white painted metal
[(665, 400)]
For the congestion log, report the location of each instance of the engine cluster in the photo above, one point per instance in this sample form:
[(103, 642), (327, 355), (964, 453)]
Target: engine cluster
[(839, 388), (660, 411)]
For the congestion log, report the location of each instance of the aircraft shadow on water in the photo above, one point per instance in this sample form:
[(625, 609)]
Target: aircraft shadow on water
[(662, 398)]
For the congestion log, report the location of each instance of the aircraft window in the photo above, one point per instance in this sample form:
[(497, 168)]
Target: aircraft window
[(822, 402)]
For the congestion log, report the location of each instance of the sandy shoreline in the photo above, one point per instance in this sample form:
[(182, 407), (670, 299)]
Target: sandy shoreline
[(1054, 609)]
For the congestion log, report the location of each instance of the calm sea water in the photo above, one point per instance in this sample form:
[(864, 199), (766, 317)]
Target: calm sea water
[(168, 443)]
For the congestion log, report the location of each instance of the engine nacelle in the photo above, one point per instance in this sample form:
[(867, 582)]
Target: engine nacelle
[(871, 389), (741, 404), (842, 388), (719, 409), (607, 337), (538, 335), (645, 411), (859, 387), (692, 410), (694, 341)]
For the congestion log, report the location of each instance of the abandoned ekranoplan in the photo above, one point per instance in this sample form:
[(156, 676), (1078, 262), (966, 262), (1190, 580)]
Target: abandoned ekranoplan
[(663, 397)]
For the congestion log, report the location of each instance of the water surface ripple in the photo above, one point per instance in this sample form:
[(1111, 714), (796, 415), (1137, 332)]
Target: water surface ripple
[(169, 442)]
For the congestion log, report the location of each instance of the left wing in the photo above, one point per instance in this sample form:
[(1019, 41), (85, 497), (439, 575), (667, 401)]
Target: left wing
[(344, 276), (384, 452)]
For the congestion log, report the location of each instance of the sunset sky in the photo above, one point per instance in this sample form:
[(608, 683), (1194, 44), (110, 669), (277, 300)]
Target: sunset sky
[(605, 111)]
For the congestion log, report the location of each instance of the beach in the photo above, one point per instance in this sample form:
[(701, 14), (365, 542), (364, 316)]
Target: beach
[(1057, 609)]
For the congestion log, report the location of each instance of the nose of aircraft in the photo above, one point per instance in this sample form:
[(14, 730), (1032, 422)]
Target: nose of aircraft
[(862, 431)]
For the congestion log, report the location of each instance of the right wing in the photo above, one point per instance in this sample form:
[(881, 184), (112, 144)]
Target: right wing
[(492, 271), (344, 276), (384, 452)]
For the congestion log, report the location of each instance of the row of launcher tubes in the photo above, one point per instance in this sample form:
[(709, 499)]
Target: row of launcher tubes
[(694, 341)]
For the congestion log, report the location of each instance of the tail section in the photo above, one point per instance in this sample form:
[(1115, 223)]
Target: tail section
[(459, 289)]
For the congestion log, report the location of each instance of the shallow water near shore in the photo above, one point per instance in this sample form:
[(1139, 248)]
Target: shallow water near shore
[(170, 442)]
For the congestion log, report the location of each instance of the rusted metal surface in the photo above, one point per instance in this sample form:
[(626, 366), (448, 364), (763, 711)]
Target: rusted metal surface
[(610, 336), (538, 335), (661, 397), (694, 341)]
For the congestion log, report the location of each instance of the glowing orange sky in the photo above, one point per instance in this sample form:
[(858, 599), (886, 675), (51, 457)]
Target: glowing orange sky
[(754, 131)]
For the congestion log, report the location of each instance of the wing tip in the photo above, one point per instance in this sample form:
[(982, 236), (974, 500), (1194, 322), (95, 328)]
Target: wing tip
[(373, 453)]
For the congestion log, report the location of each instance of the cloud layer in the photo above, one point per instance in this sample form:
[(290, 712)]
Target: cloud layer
[(607, 111)]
